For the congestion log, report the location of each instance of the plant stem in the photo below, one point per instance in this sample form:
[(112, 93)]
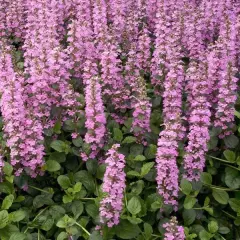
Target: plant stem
[(154, 235), (229, 215), (87, 198), (232, 167), (84, 229), (38, 189), (221, 188), (95, 181), (36, 217), (219, 159)]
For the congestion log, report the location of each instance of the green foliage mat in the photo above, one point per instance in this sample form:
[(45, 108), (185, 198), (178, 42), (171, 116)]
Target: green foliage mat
[(64, 203)]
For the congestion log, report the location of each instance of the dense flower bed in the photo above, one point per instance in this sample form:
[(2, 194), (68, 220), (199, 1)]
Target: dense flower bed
[(124, 105)]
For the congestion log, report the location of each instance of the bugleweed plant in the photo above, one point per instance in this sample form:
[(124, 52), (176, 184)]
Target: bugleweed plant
[(119, 119)]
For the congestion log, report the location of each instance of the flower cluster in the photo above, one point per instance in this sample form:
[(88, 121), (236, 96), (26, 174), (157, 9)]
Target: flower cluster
[(141, 110), (22, 131), (152, 10), (80, 32), (143, 54), (113, 84), (227, 75), (199, 121), (173, 230), (113, 185), (117, 12), (15, 18), (167, 170), (41, 38), (3, 11), (95, 117), (100, 27), (159, 55), (166, 159), (62, 94)]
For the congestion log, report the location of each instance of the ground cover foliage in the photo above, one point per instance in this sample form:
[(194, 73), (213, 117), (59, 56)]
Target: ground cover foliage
[(119, 120)]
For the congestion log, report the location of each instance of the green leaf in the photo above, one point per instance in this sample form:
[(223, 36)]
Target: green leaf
[(136, 149), (36, 236), (238, 161), (57, 127), (3, 218), (77, 208), (189, 216), (6, 187), (7, 202), (127, 230), (134, 220), (148, 230), (206, 178), (213, 227), (78, 142), (212, 143), (58, 145), (77, 187), (206, 202), (67, 199), (237, 221), (92, 166), (18, 236), (57, 156), (48, 132), (6, 232), (133, 174), (234, 204), (231, 141), (7, 169), (92, 210), (42, 200), (62, 236), (56, 212), (95, 236), (223, 230), (139, 158), (151, 151), (237, 114), (9, 178), (232, 178), (117, 134), (19, 199), (209, 210), (229, 155), (204, 235), (156, 205), (47, 225), (134, 206), (64, 181), (65, 222), (129, 139), (146, 168), (186, 186), (17, 216), (137, 187), (189, 202), (100, 171), (86, 179), (220, 196), (53, 166)]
